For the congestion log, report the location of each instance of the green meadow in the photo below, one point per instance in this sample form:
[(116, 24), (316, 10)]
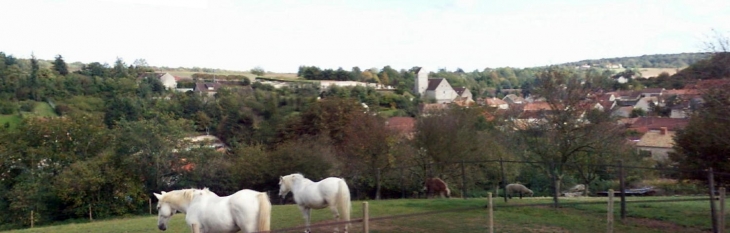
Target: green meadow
[(459, 215)]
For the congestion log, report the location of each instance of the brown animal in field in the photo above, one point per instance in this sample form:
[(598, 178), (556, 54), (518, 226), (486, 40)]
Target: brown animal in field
[(434, 186)]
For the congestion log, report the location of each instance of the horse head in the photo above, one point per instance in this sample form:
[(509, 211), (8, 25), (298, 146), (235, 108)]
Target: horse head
[(164, 211), (285, 185)]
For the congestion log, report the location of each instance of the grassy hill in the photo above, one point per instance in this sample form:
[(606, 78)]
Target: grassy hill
[(40, 109), (678, 60), (459, 215)]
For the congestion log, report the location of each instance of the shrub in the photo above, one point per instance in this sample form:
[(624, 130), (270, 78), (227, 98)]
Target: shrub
[(7, 107)]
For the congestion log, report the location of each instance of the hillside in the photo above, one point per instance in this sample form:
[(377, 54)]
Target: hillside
[(677, 60)]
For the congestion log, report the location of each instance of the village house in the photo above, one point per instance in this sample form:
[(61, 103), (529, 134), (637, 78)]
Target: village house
[(496, 103), (167, 80), (657, 143), (438, 89)]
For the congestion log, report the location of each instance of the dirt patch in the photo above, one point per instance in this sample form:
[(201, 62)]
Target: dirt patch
[(663, 225)]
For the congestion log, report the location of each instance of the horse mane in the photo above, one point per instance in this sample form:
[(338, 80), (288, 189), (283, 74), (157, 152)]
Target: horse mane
[(178, 196)]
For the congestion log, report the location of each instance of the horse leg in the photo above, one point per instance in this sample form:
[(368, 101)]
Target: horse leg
[(336, 214), (195, 227), (520, 195), (306, 211)]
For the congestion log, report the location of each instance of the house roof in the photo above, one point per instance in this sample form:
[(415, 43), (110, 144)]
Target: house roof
[(627, 94), (425, 108), (537, 106), (672, 124), (459, 90), (433, 83), (652, 90), (656, 138), (402, 125), (514, 98), (207, 87), (493, 102)]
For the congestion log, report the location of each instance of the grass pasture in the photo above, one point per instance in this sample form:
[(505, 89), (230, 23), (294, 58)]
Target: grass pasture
[(458, 215), (189, 74)]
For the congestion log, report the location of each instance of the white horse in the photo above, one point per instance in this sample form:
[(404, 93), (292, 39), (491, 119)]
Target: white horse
[(206, 212), (331, 192)]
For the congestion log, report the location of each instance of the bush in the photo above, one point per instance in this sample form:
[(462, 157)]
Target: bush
[(27, 106), (7, 107)]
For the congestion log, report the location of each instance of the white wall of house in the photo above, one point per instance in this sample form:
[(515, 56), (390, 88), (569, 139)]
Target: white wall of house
[(168, 81), (443, 93), (659, 154), (643, 103), (678, 113)]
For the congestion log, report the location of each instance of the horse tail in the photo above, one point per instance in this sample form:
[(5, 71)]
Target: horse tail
[(343, 200), (264, 212)]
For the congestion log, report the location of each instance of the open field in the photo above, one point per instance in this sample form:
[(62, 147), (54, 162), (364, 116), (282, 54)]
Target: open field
[(189, 74), (12, 120), (458, 215), (41, 109), (653, 72)]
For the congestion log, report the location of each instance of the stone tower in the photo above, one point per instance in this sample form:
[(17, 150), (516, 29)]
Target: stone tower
[(421, 81)]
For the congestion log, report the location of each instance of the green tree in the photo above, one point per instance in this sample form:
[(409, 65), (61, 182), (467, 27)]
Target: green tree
[(705, 142), (60, 66), (258, 71), (120, 69), (562, 133)]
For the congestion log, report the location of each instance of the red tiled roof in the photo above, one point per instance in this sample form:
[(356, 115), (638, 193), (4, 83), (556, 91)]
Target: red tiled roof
[(402, 124), (537, 106), (672, 124)]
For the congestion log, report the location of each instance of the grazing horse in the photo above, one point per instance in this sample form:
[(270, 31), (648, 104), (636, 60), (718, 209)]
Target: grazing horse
[(434, 186), (246, 210), (517, 188), (331, 192)]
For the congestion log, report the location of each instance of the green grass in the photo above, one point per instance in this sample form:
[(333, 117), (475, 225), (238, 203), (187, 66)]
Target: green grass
[(470, 217), (43, 109), (12, 120)]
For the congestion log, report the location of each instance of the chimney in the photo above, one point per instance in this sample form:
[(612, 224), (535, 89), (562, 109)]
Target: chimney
[(663, 130)]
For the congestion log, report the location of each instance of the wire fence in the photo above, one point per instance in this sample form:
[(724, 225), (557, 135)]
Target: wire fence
[(465, 178)]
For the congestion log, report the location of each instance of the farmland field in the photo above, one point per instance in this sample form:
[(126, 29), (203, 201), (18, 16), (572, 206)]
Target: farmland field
[(247, 74), (459, 215)]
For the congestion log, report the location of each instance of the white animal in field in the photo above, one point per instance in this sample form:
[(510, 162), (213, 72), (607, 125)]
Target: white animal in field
[(330, 192), (246, 210), (517, 188)]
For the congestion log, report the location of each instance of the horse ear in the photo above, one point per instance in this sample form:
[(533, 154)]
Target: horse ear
[(163, 192), (159, 196)]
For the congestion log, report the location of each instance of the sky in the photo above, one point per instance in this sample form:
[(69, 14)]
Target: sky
[(281, 35)]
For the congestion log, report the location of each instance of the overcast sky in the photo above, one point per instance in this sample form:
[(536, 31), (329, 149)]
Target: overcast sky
[(281, 35)]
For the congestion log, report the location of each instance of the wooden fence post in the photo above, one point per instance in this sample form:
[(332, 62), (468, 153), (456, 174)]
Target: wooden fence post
[(149, 201), (722, 210), (713, 211), (609, 216), (491, 213), (90, 216), (31, 218), (365, 218)]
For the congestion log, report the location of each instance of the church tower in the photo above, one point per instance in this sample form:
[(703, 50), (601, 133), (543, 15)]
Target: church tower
[(421, 81)]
